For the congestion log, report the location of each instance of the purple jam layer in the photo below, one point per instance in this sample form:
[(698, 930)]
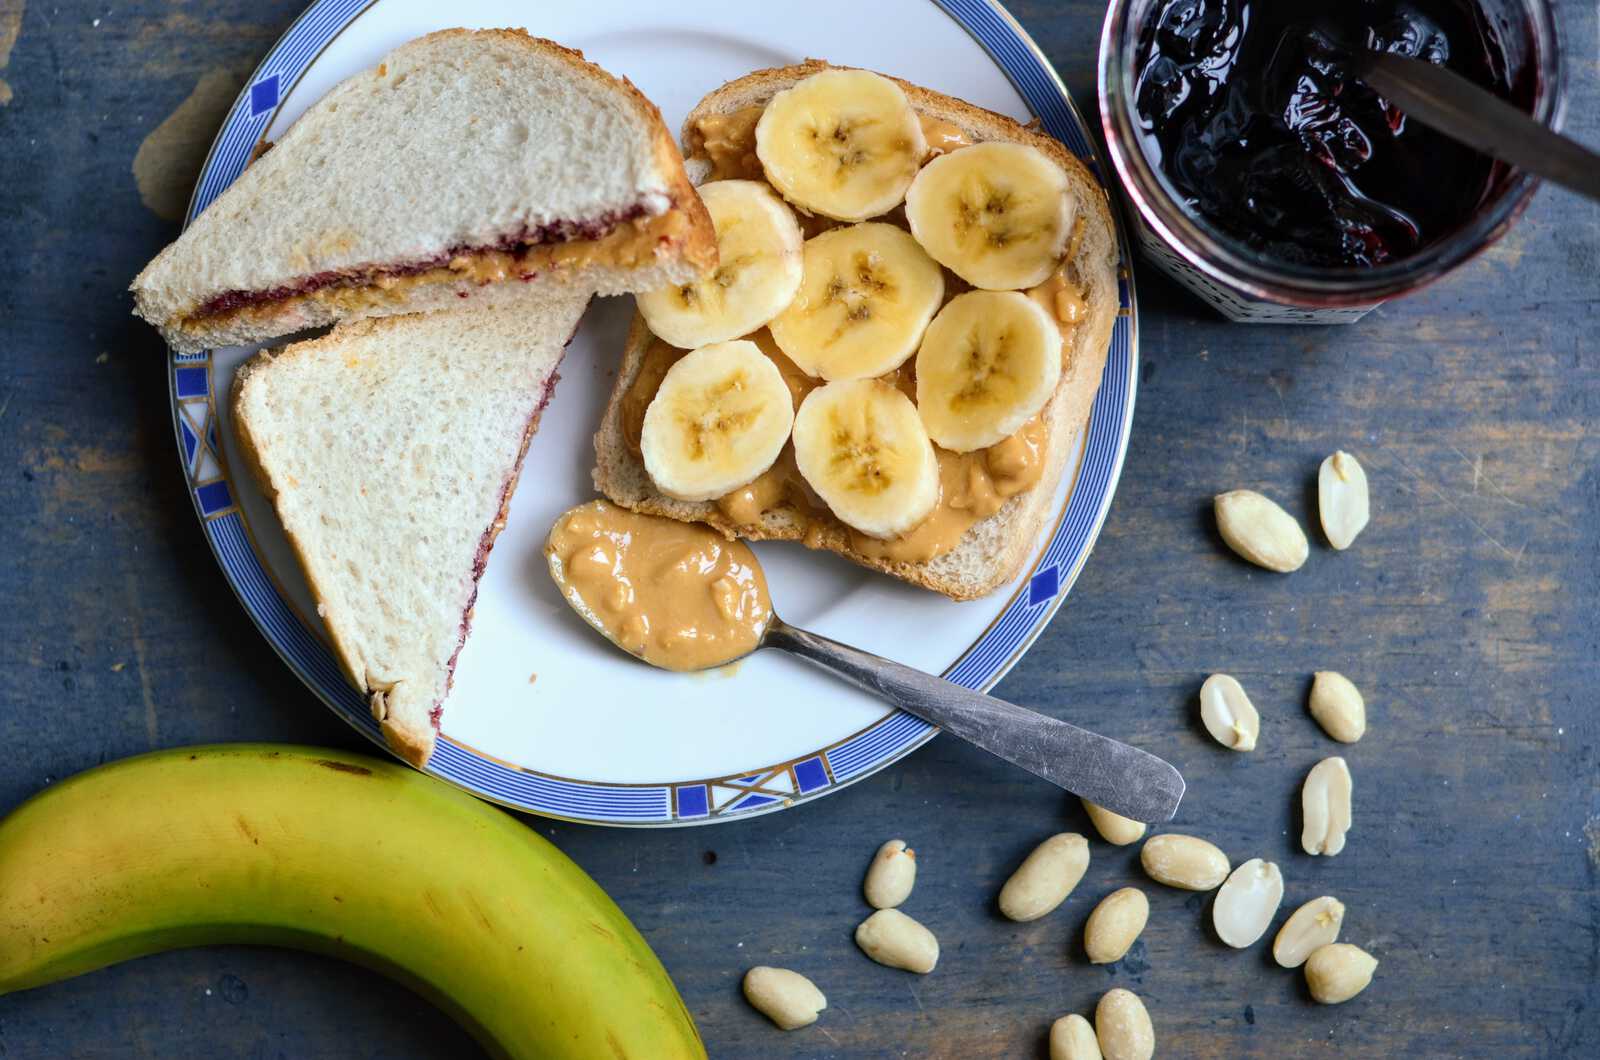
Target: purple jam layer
[(518, 243)]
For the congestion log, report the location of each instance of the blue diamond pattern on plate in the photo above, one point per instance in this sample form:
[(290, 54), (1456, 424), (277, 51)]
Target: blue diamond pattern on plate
[(1044, 585), (692, 801), (263, 96), (810, 774), (192, 382), (213, 497)]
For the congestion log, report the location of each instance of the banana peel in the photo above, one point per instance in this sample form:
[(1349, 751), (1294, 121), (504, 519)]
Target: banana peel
[(344, 855)]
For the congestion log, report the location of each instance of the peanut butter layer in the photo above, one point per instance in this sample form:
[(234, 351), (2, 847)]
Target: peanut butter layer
[(942, 136), (1061, 298), (729, 142), (627, 245)]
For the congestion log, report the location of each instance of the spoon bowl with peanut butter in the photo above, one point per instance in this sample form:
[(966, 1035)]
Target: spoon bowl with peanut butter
[(682, 597)]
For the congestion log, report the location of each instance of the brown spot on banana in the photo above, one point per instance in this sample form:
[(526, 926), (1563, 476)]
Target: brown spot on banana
[(479, 914), (344, 767)]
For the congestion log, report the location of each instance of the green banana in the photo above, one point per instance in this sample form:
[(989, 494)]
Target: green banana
[(344, 855)]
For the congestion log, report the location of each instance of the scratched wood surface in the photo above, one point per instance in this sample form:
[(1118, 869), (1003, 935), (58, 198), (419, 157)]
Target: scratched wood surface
[(1467, 613)]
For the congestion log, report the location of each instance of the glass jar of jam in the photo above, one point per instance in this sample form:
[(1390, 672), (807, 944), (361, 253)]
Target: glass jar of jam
[(1272, 182)]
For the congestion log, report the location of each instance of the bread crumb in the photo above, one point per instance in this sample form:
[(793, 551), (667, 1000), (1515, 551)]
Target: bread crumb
[(116, 668), (532, 678)]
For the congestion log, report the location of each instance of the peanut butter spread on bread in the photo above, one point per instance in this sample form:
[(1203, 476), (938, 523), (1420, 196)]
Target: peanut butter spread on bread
[(973, 486), (942, 136), (729, 141)]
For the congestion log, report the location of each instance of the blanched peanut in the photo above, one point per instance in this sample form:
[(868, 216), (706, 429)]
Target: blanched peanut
[(891, 875), (1325, 803), (1123, 1027), (1184, 861), (1308, 928), (1115, 925), (1072, 1038), (1247, 903), (1045, 877), (1113, 827), (1342, 499), (894, 939), (1338, 972), (1260, 531), (786, 998), (1337, 706), (1228, 714)]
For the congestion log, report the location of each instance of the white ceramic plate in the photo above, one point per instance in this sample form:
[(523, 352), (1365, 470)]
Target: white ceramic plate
[(544, 715)]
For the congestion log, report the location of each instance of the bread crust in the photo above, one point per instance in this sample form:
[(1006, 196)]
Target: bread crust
[(994, 549), (695, 251)]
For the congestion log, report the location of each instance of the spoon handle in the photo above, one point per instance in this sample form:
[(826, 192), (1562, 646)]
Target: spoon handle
[(1121, 778), (1440, 98)]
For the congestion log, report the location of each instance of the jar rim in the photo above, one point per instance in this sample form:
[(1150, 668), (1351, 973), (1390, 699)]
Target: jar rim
[(1230, 262)]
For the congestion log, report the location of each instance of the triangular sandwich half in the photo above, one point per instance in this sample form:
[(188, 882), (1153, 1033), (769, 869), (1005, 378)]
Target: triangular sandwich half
[(463, 168), (390, 449)]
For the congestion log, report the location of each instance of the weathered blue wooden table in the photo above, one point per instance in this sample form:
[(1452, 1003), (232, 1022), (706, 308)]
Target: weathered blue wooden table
[(1467, 613)]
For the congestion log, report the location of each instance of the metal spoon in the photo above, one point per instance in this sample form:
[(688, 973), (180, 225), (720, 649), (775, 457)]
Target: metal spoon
[(1449, 103), (1121, 778)]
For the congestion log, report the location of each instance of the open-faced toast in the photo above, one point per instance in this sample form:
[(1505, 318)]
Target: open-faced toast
[(717, 139)]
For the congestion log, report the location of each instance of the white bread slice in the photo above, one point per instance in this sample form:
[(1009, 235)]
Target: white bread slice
[(457, 142), (993, 550), (390, 449)]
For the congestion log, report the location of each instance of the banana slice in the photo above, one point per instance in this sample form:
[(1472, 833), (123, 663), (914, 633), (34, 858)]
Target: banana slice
[(997, 215), (718, 420), (758, 245), (844, 143), (866, 296), (861, 446), (988, 364)]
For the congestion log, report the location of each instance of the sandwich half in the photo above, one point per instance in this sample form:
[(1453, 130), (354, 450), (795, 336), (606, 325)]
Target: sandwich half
[(466, 167), (390, 449), (977, 539)]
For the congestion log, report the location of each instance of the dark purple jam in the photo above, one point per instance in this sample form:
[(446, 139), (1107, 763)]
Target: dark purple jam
[(1250, 109)]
